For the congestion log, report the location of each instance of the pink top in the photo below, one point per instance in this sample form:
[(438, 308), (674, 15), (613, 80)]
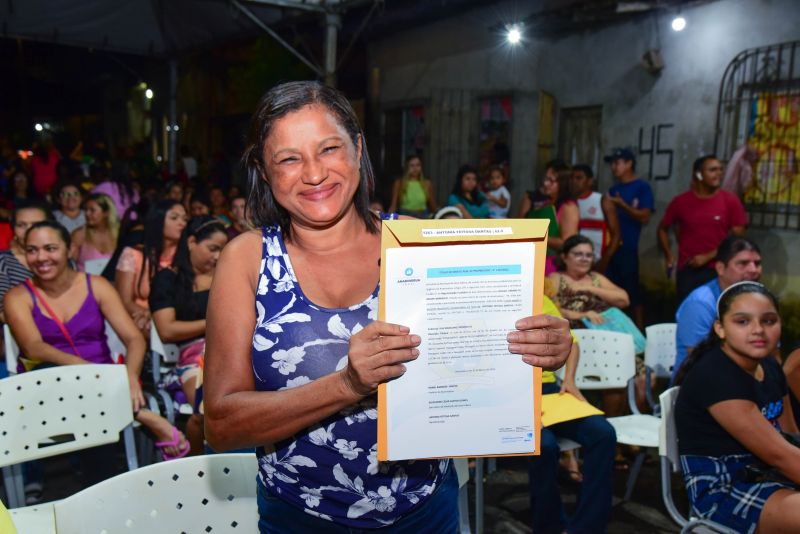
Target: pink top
[(130, 261), (88, 252)]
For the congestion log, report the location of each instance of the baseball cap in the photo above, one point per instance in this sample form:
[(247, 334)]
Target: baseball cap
[(620, 153)]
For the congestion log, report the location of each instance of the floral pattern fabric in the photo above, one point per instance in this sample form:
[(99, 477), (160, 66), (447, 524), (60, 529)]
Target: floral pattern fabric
[(329, 470)]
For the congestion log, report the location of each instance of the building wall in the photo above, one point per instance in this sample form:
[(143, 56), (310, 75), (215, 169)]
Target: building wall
[(600, 67)]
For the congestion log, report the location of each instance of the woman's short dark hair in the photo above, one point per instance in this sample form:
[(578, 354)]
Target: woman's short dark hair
[(32, 205), (733, 245), (570, 243), (53, 225), (573, 241), (276, 104)]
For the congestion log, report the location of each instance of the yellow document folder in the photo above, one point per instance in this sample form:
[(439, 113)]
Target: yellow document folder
[(558, 408), (432, 233)]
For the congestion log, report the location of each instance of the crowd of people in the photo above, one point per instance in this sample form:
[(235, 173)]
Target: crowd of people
[(294, 374)]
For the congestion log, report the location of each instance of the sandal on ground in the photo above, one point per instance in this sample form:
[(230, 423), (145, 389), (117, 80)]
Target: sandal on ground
[(176, 442)]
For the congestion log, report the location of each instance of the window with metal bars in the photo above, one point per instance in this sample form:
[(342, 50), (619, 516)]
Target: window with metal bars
[(758, 133)]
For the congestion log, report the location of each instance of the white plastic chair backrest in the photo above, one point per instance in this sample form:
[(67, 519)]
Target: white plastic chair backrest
[(214, 493), (168, 351), (667, 432), (12, 350), (62, 409), (607, 359), (95, 267), (661, 350)]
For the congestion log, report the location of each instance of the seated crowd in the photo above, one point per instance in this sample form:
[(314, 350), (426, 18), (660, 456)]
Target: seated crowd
[(72, 273), (144, 263)]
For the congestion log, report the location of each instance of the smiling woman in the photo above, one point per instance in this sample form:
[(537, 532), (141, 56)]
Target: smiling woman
[(58, 318), (295, 374)]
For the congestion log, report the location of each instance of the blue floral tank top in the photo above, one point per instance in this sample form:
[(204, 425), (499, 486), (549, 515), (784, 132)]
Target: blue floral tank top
[(329, 470)]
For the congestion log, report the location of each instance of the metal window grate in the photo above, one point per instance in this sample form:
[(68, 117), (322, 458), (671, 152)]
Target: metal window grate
[(758, 132)]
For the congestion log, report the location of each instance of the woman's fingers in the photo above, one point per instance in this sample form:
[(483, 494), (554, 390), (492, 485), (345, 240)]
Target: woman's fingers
[(391, 343), (377, 329), (542, 340), (377, 354)]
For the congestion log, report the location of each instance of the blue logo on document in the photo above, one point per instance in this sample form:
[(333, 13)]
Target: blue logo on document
[(529, 436), (409, 271)]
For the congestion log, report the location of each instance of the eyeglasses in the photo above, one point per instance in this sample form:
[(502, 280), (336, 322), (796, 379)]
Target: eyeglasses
[(587, 255), (70, 194)]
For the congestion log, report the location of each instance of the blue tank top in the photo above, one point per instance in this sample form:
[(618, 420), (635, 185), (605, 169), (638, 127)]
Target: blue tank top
[(329, 470)]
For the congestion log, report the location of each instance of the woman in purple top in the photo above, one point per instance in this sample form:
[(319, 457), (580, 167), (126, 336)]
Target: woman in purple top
[(294, 352), (82, 303)]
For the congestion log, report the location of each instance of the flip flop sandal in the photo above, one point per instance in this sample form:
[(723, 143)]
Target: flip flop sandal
[(176, 442)]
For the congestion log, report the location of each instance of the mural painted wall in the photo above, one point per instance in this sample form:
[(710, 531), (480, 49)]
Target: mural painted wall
[(774, 136)]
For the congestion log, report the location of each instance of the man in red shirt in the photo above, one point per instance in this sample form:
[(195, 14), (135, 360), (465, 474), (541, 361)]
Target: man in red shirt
[(702, 217)]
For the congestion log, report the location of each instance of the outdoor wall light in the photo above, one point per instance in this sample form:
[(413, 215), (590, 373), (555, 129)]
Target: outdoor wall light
[(38, 127), (678, 23), (514, 35), (148, 94)]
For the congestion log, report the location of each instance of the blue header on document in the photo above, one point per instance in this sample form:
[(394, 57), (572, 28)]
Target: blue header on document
[(476, 270)]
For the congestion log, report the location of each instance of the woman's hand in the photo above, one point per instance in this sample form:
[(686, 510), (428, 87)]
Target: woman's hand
[(568, 386), (377, 354), (137, 397), (594, 317), (542, 340), (142, 318)]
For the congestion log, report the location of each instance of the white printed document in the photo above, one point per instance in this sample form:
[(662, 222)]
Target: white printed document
[(466, 394)]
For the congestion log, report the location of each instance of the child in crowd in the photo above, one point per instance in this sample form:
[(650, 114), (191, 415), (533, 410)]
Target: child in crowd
[(732, 406), (498, 196)]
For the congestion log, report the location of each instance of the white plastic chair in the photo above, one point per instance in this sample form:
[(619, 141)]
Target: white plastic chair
[(214, 493), (169, 354), (661, 348), (58, 410), (12, 350), (37, 519), (671, 463), (659, 357), (608, 362)]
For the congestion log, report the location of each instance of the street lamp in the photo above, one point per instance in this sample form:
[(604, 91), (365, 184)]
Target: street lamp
[(678, 23), (514, 35)]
